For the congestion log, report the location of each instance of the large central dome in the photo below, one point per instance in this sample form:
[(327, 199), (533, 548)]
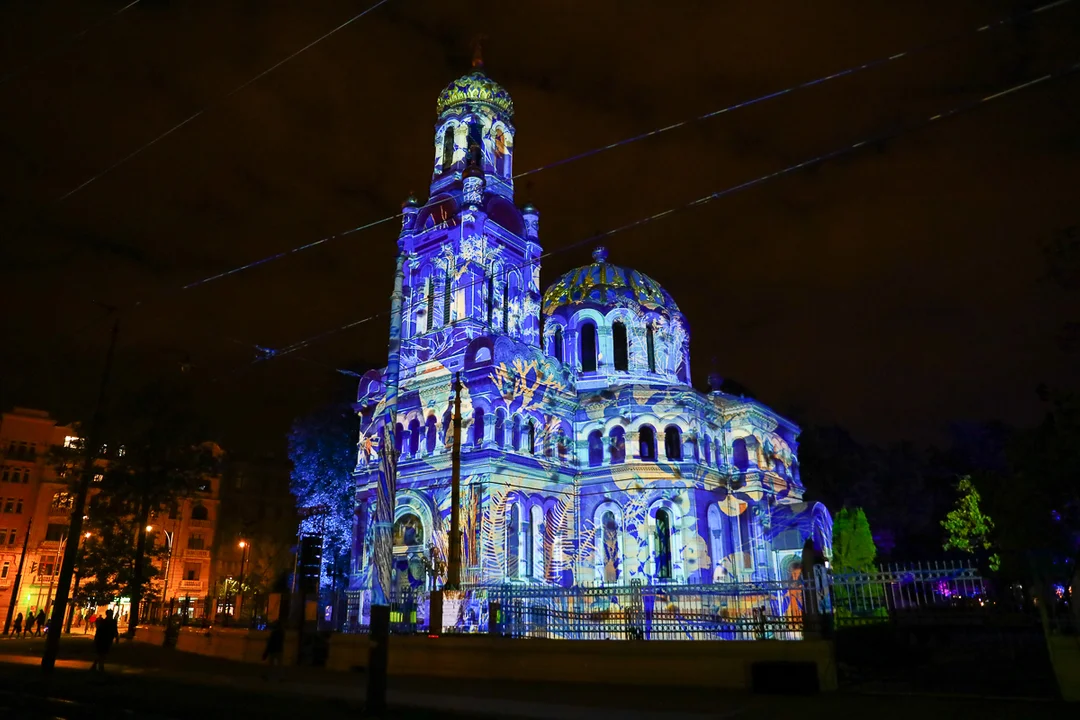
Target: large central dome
[(602, 284)]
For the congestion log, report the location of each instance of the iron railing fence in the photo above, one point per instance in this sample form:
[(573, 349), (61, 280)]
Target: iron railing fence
[(773, 609), (727, 611), (913, 592)]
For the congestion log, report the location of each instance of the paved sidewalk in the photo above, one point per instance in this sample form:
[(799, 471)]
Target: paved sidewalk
[(139, 669)]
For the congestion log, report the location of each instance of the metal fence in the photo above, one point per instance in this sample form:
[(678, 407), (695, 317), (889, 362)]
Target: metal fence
[(775, 609), (912, 592), (728, 611)]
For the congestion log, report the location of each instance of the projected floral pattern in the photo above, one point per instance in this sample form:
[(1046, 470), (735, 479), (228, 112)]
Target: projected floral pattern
[(586, 455)]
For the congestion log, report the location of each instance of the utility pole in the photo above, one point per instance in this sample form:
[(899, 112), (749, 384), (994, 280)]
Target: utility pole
[(453, 571), (71, 551), (385, 502), (18, 577)]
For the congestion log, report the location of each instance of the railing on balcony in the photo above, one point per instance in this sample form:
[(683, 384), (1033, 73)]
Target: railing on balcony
[(201, 523), (191, 585), (198, 554)]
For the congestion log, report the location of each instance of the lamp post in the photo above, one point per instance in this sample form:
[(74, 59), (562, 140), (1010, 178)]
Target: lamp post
[(168, 562), (74, 593), (244, 547)]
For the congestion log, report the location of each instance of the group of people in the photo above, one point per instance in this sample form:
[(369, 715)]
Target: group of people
[(32, 620)]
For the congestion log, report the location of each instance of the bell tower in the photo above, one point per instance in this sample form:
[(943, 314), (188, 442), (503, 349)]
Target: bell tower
[(472, 256), (475, 115)]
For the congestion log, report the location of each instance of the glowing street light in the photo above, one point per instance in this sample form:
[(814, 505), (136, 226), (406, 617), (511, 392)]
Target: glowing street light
[(245, 547)]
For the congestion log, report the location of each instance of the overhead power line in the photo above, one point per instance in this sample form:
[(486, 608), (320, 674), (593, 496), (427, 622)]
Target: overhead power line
[(658, 131), (205, 108), (271, 353), (64, 45)]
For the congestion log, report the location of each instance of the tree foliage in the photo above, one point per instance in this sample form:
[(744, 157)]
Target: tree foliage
[(322, 447), (967, 527), (853, 544), (155, 455)]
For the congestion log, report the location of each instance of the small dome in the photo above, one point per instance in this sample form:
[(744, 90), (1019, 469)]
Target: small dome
[(476, 88), (602, 284)]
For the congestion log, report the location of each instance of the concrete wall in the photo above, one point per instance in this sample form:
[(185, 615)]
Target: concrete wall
[(716, 664)]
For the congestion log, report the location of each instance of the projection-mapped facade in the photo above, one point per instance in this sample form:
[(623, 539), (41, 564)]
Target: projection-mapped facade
[(587, 457)]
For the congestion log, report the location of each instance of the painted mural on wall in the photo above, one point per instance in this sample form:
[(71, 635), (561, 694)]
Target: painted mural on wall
[(587, 457)]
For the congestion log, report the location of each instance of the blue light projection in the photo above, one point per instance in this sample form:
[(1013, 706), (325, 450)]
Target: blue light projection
[(587, 457)]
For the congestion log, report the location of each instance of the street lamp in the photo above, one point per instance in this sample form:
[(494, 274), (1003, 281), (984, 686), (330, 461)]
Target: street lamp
[(74, 592), (244, 548), (168, 561)]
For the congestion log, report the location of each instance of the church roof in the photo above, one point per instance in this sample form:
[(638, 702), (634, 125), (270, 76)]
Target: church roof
[(476, 88), (602, 284)]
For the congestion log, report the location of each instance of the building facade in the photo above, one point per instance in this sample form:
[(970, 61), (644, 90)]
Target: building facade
[(34, 501), (587, 456), (186, 534)]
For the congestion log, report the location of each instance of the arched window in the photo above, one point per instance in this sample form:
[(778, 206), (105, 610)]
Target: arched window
[(609, 537), (414, 436), (506, 307), (447, 439), (556, 345), (532, 437), (513, 523), (502, 153), (647, 442), (476, 137), (448, 149), (621, 356), (716, 452), (617, 438), (515, 433), (650, 346), (199, 512), (537, 552), (588, 347), (663, 544), (561, 444), (672, 442), (716, 542), (500, 427), (491, 295), (399, 435), (478, 427), (596, 448), (708, 451), (432, 433), (740, 457), (447, 292), (408, 530), (430, 304)]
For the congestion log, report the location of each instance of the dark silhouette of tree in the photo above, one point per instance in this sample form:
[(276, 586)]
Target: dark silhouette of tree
[(322, 447)]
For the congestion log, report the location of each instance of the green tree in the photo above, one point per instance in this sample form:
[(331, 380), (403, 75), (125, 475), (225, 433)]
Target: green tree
[(853, 544), (967, 527), (156, 456)]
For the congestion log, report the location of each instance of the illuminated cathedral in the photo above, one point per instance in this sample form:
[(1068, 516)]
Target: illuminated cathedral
[(586, 456)]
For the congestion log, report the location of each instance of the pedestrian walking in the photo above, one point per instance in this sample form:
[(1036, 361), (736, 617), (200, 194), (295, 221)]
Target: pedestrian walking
[(41, 619), (16, 628), (30, 620), (275, 648), (105, 635)]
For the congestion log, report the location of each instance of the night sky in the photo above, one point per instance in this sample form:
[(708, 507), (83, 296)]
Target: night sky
[(893, 291)]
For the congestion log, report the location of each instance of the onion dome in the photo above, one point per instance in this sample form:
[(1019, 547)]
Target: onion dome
[(473, 89), (603, 285)]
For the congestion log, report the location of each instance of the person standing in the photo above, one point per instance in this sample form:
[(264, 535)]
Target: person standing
[(105, 635), (275, 648), (41, 620), (16, 628)]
